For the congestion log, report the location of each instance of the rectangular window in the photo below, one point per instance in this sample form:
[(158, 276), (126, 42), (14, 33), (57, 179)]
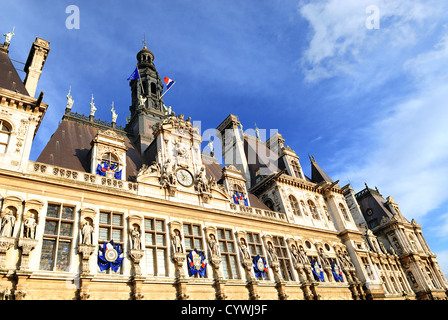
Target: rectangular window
[(156, 247), (228, 253), (193, 237), (282, 254), (111, 227), (58, 238), (256, 248)]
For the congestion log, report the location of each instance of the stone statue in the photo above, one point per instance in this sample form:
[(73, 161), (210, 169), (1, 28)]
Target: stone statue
[(202, 184), (295, 254), (87, 230), (9, 35), (70, 100), (257, 132), (30, 227), (114, 114), (210, 145), (167, 110), (244, 250), (177, 242), (92, 107), (141, 100), (8, 222), (214, 246), (272, 253), (135, 237), (302, 255)]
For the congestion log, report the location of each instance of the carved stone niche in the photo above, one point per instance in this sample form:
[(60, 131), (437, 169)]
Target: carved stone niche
[(178, 248), (27, 233), (86, 245), (248, 264), (8, 219), (135, 236), (215, 253)]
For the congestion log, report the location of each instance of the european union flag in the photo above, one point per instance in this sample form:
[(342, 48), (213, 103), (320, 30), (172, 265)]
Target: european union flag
[(134, 75)]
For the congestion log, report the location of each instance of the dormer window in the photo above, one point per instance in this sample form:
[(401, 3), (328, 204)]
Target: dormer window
[(109, 166), (296, 169), (5, 132)]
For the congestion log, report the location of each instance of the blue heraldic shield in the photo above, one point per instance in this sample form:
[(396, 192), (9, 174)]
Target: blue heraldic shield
[(260, 267), (196, 263), (318, 272), (337, 272), (110, 255)]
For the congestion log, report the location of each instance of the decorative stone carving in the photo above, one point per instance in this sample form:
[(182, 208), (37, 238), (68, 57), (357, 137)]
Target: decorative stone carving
[(86, 251), (136, 255), (26, 245)]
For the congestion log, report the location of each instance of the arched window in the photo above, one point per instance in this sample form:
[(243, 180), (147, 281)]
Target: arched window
[(110, 159), (296, 169), (269, 204), (5, 132), (153, 88), (344, 212), (302, 204), (313, 210), (294, 205)]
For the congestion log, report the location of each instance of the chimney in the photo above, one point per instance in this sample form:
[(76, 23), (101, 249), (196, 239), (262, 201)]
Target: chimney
[(35, 63)]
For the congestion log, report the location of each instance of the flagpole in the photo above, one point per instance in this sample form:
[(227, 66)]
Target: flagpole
[(167, 90), (140, 78)]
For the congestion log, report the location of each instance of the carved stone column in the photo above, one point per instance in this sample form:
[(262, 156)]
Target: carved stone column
[(26, 245), (5, 244), (85, 250)]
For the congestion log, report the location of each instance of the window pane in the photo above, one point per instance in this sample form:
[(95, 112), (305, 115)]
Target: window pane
[(67, 213), (234, 267), (228, 235), (104, 234), (63, 256), (47, 257), (149, 224), (230, 247), (66, 229), (198, 244), (4, 138), (222, 246), (2, 148), (149, 239), (196, 231), (225, 268), (116, 235), (53, 211), (51, 227), (160, 239), (161, 265), (186, 230), (104, 218), (189, 243), (149, 253), (116, 220), (160, 226)]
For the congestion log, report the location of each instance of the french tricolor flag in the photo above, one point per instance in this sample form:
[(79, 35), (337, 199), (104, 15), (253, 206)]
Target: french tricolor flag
[(168, 82)]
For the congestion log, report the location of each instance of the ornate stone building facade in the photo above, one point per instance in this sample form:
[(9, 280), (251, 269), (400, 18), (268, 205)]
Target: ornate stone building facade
[(141, 212)]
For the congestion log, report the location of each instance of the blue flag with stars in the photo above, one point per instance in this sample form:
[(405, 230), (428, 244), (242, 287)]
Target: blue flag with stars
[(135, 74)]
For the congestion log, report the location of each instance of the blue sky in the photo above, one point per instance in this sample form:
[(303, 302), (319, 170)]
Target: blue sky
[(369, 104)]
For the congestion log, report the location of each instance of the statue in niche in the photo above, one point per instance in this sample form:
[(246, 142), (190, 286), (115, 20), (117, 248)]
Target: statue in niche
[(302, 255), (135, 238), (295, 253), (214, 246), (30, 227), (244, 250), (324, 258), (8, 222), (177, 242), (87, 231), (272, 253)]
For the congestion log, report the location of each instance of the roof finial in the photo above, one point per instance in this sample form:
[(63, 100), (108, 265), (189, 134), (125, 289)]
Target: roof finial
[(144, 40)]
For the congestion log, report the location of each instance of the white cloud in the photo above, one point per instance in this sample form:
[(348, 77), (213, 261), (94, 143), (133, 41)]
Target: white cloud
[(340, 39)]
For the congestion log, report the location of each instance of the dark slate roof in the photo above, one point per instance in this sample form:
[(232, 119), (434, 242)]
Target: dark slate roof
[(317, 174), (69, 147), (9, 78)]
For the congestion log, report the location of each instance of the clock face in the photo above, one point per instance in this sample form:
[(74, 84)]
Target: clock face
[(184, 177)]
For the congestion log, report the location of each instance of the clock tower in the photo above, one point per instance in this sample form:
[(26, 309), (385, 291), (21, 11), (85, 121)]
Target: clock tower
[(147, 108)]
